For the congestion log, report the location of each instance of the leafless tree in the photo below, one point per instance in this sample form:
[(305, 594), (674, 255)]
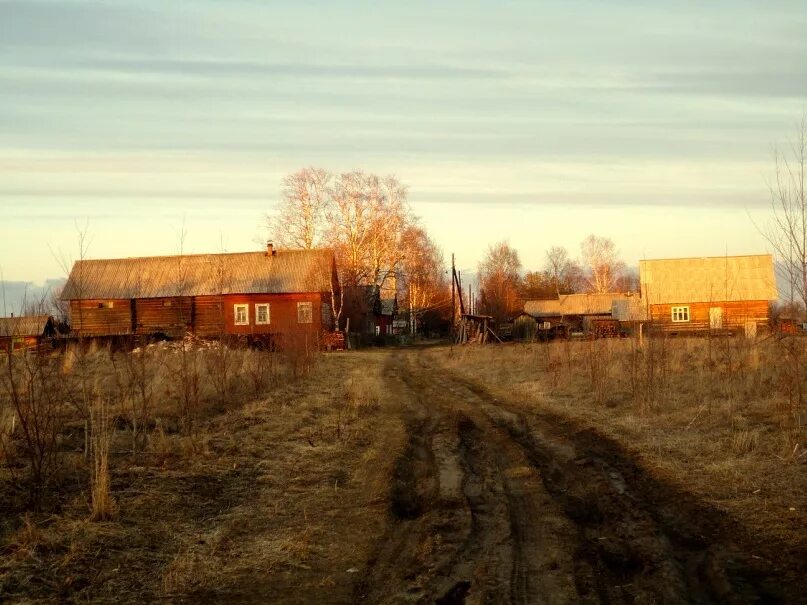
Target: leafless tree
[(787, 230), (602, 263), (367, 217), (423, 273), (350, 220), (499, 280), (300, 220), (562, 272)]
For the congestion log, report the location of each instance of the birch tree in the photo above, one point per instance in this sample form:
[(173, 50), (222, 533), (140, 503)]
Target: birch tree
[(300, 219), (350, 225), (602, 263), (423, 272), (562, 272)]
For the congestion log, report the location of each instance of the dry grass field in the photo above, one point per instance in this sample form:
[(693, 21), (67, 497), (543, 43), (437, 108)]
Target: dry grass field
[(592, 471), (249, 499)]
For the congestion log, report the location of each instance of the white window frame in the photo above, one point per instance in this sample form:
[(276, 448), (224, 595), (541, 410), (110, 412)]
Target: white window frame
[(236, 308), (258, 321), (310, 314), (679, 314)]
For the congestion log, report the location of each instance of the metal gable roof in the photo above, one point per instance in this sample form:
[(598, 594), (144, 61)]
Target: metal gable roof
[(286, 271), (574, 304), (708, 279), (26, 325)]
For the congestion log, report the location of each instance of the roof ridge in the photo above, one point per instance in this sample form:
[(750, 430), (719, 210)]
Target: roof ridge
[(282, 251), (720, 257)]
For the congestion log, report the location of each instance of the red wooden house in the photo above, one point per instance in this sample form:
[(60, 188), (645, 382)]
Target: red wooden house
[(254, 294)]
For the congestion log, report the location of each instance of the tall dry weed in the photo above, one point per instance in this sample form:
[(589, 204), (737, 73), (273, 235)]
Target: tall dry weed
[(103, 506), (598, 358)]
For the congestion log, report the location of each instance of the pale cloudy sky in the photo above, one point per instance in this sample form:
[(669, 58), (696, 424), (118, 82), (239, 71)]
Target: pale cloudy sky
[(539, 122)]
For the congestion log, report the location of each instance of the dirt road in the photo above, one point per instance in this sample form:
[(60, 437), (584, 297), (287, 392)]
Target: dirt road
[(489, 506)]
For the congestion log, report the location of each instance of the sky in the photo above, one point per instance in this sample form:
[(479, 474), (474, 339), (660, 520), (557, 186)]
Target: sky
[(537, 122)]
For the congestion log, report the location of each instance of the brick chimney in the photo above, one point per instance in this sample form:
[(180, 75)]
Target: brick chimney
[(270, 249)]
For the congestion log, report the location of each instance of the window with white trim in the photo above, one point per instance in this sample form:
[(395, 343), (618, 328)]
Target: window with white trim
[(305, 313), (262, 314), (241, 315), (680, 314)]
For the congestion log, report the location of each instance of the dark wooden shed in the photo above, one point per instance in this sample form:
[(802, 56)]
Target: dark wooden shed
[(25, 332)]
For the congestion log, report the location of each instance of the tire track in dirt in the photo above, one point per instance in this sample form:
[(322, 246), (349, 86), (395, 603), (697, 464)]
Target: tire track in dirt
[(632, 546), (478, 525)]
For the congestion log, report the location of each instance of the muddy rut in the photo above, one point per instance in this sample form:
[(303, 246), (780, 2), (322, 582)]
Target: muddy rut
[(488, 506)]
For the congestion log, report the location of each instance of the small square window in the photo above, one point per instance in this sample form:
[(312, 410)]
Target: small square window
[(305, 313), (262, 314), (680, 314), (241, 315)]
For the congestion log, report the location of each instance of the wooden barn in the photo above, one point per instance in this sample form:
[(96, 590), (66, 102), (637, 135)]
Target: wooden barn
[(721, 293), (25, 332), (256, 294), (571, 313)]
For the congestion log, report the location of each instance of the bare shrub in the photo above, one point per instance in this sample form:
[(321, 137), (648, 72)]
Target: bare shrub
[(221, 361), (792, 350), (300, 350), (8, 453), (140, 371), (188, 373), (261, 367), (134, 375), (32, 386)]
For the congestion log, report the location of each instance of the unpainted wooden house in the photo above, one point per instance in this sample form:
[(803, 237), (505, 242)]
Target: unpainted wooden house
[(25, 332), (254, 294), (721, 293)]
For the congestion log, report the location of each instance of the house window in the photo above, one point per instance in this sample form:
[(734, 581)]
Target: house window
[(106, 305), (262, 314), (305, 313), (241, 314), (680, 314)]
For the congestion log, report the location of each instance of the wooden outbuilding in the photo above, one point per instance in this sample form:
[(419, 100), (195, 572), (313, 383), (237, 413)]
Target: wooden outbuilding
[(576, 313), (253, 294), (721, 293), (25, 332)]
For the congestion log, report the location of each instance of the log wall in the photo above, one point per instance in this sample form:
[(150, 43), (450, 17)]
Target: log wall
[(735, 315), (171, 316), (101, 317)]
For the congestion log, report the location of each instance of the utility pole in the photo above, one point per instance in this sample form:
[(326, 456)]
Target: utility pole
[(470, 301), (453, 300)]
